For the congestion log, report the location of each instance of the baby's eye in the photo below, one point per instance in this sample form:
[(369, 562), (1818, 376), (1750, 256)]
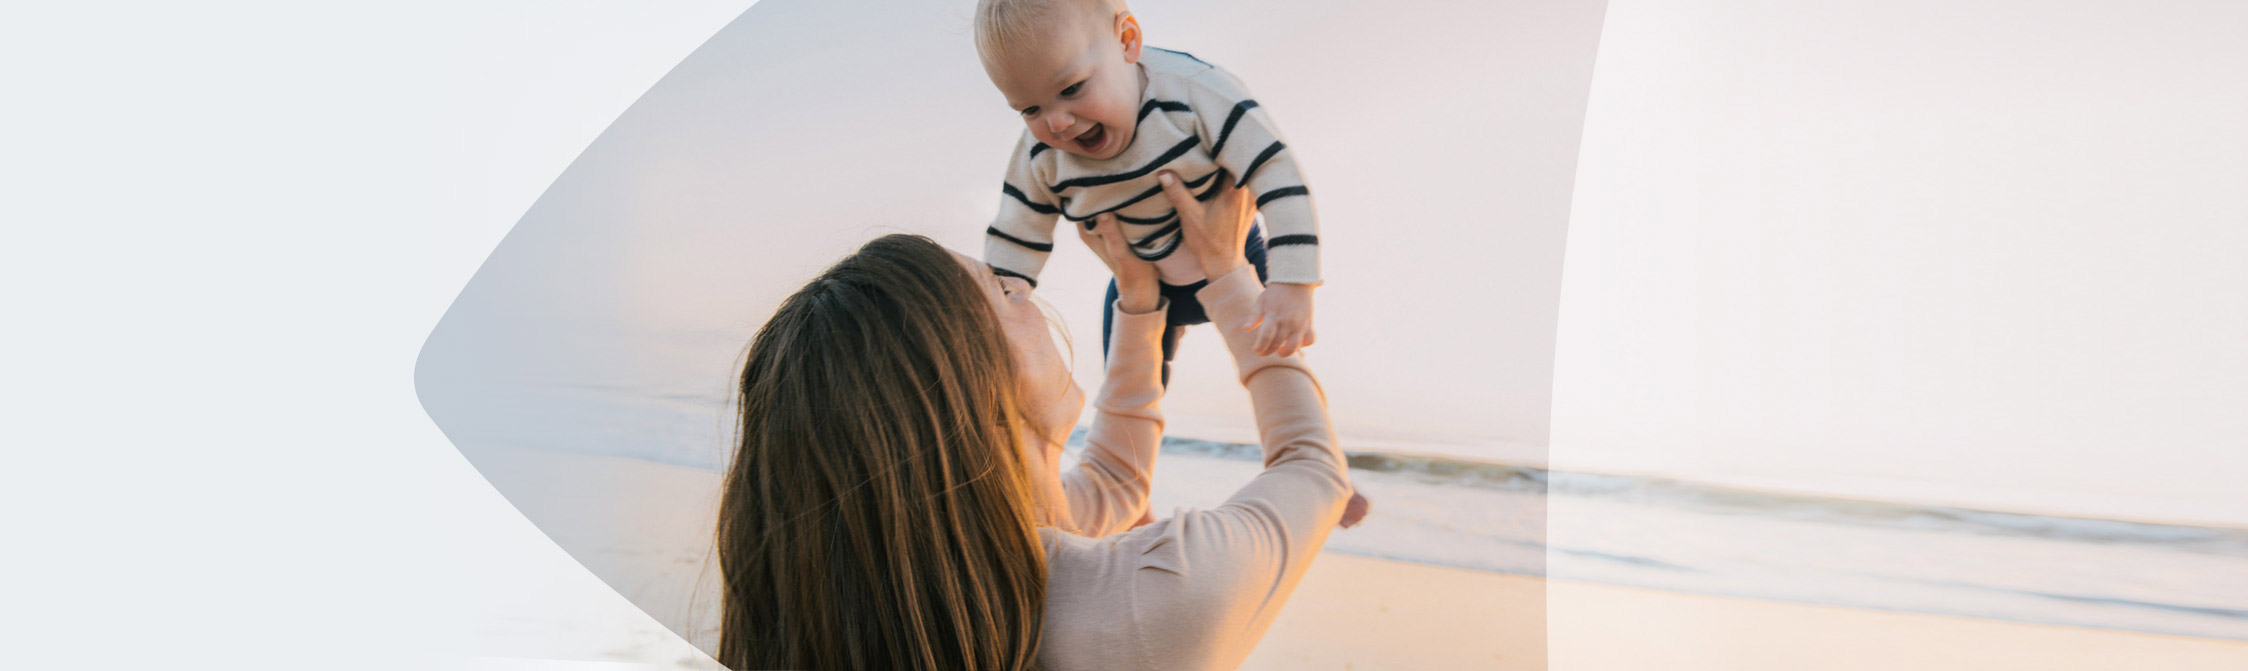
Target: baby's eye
[(1072, 90), (1030, 111)]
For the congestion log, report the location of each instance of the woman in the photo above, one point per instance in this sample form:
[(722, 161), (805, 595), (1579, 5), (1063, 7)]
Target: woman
[(897, 502)]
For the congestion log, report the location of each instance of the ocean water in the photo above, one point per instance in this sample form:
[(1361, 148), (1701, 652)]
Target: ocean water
[(1654, 533), (1707, 539)]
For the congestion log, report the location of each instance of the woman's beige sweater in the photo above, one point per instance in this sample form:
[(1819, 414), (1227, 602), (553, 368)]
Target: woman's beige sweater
[(1198, 590)]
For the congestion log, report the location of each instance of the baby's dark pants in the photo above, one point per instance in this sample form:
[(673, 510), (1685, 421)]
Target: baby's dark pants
[(1184, 310)]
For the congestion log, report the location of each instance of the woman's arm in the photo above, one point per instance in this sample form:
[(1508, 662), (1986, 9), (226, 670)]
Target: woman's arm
[(1108, 489), (1210, 582)]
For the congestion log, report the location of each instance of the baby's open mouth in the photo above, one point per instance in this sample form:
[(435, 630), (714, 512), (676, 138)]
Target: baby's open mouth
[(1091, 140)]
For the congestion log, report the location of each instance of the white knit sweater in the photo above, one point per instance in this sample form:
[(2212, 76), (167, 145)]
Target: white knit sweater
[(1195, 120)]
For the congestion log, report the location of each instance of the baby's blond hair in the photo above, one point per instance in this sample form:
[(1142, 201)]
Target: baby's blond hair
[(1002, 26)]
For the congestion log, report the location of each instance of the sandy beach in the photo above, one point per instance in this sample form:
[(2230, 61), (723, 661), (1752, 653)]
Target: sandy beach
[(642, 527), (1359, 613)]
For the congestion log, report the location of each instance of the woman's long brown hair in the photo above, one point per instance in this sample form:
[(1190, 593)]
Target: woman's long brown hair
[(878, 513)]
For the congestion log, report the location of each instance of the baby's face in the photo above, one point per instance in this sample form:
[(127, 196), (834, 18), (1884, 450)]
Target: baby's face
[(1078, 89)]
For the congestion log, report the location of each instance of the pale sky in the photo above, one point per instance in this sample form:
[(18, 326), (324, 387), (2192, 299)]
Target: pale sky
[(808, 128), (1987, 253), (1985, 256)]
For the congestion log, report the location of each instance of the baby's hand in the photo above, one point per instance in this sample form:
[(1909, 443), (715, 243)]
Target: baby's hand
[(1355, 510), (1284, 319)]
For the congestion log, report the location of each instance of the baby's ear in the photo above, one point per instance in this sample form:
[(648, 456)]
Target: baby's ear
[(1128, 33)]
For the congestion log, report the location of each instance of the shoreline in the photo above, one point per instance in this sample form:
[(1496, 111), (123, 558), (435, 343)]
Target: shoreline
[(1452, 465), (642, 527)]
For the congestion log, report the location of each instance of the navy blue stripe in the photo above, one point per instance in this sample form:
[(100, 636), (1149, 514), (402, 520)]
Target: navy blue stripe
[(1285, 240), (1152, 105), (1266, 155), (1151, 193), (1232, 118), (1149, 221), (1211, 192), (1034, 149), (1175, 151), (1150, 238), (1169, 239), (1026, 244), (1282, 192), (1181, 53), (1010, 190), (996, 270), (1176, 243)]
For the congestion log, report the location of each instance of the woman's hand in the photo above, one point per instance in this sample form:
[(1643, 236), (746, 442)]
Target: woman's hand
[(1135, 278), (1215, 231)]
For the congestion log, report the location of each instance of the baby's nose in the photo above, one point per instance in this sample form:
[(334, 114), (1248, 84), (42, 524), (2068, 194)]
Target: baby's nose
[(1058, 121)]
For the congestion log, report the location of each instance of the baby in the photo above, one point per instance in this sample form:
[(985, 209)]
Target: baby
[(1105, 115)]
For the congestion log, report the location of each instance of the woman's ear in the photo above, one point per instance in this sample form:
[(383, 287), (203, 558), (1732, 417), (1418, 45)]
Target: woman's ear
[(1128, 33)]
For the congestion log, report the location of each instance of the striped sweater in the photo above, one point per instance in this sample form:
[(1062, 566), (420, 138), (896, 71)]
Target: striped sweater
[(1195, 120)]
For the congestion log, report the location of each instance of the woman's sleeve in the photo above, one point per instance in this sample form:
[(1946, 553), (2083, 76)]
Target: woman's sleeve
[(1108, 489), (1209, 582)]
